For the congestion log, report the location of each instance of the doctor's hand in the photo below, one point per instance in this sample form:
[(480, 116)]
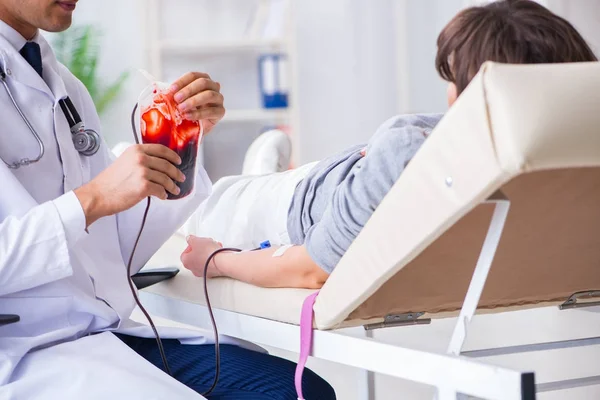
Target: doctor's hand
[(199, 98), (141, 171)]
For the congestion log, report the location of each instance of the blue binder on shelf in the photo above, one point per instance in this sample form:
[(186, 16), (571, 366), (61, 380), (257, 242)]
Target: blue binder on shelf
[(273, 80)]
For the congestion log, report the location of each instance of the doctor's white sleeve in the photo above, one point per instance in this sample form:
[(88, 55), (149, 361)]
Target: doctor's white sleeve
[(34, 248)]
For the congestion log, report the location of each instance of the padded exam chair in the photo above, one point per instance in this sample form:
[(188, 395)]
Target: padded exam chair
[(498, 213)]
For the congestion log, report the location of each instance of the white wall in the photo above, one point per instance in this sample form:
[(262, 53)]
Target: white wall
[(346, 74), (585, 15), (347, 71), (425, 20), (350, 75)]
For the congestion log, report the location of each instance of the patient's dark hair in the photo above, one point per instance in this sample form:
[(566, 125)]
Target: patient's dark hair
[(506, 31)]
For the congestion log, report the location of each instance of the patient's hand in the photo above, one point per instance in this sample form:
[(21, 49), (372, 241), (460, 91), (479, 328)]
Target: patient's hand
[(195, 255)]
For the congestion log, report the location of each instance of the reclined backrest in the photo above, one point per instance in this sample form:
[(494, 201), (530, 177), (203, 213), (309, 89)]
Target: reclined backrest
[(531, 131)]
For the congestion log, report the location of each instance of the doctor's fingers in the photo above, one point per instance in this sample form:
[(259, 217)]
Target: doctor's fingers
[(162, 181), (212, 113), (203, 98), (163, 166), (195, 86), (156, 150), (186, 79)]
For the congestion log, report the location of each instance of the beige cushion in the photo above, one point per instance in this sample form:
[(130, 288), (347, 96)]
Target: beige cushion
[(532, 132)]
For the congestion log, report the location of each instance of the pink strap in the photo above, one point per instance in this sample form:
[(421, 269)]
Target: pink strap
[(306, 335)]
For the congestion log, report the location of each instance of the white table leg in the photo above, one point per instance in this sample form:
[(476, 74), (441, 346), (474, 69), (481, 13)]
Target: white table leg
[(366, 380)]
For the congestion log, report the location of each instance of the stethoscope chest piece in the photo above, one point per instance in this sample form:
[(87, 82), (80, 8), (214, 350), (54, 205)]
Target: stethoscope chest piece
[(86, 142)]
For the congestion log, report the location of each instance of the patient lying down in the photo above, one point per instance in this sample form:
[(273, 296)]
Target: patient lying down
[(312, 214)]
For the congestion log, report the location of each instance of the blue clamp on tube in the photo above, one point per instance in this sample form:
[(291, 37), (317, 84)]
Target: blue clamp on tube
[(265, 245)]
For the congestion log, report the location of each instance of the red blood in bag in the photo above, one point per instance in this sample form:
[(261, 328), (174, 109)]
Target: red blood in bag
[(162, 123)]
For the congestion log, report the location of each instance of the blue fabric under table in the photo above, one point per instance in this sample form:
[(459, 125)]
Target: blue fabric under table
[(245, 374)]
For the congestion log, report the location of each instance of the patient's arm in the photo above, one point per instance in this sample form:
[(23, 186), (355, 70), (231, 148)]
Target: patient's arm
[(293, 269)]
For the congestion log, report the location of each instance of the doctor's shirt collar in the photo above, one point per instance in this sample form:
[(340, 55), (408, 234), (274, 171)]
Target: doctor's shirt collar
[(14, 37), (52, 83)]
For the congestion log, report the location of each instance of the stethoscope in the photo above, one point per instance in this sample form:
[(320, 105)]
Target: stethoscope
[(86, 141)]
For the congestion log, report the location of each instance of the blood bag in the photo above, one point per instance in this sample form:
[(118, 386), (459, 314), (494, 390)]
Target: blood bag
[(161, 122)]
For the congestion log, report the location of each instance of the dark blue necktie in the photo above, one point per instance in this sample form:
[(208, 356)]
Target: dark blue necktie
[(32, 53)]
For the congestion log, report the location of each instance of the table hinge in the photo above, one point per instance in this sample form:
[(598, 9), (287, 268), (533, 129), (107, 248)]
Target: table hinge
[(574, 300), (399, 320)]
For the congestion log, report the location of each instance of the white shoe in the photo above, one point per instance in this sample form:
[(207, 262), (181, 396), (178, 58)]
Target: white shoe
[(270, 152)]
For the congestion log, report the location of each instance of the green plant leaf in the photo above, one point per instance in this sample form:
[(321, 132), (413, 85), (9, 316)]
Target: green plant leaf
[(79, 50), (107, 96)]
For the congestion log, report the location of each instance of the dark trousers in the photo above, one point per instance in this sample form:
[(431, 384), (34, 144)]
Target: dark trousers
[(245, 374)]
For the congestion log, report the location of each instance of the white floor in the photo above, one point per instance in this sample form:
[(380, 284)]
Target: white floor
[(548, 366)]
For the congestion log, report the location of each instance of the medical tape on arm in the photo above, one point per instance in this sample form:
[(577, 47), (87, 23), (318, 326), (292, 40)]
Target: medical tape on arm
[(281, 251)]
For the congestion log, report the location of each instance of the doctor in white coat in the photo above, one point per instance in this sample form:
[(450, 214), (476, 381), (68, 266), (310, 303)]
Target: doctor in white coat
[(68, 223)]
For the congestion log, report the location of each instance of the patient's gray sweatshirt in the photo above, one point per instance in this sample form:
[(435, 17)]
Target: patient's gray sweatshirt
[(336, 199)]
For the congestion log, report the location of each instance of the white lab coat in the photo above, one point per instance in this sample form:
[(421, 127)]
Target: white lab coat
[(65, 283)]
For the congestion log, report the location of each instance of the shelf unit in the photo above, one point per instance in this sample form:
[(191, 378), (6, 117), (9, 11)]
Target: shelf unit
[(257, 115), (244, 121), (223, 47)]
